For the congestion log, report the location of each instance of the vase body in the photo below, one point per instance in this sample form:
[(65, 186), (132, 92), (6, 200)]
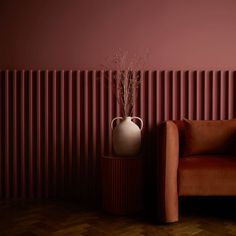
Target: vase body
[(126, 137)]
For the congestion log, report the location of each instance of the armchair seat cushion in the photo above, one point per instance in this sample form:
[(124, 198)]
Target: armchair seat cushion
[(207, 175)]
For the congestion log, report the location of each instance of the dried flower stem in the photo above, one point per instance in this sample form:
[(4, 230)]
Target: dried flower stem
[(126, 79)]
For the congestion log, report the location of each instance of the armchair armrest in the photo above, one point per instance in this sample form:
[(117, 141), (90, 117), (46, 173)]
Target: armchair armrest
[(168, 159)]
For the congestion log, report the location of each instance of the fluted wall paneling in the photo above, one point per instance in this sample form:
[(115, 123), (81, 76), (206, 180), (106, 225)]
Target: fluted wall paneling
[(54, 125)]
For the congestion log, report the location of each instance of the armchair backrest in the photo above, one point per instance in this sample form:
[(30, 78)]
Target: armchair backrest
[(216, 136)]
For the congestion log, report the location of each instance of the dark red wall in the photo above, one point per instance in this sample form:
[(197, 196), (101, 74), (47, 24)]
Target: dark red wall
[(80, 34)]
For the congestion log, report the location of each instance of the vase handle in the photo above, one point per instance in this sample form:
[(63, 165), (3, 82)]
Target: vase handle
[(141, 121), (116, 118)]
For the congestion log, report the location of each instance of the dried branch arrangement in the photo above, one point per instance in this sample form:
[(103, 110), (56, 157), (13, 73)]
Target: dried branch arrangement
[(126, 78)]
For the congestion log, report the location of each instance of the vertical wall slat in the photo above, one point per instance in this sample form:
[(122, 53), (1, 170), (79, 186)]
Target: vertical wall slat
[(142, 94), (38, 136), (150, 101), (183, 96), (1, 132), (7, 136), (54, 131), (222, 96), (231, 95), (215, 96), (118, 111), (78, 128), (159, 91), (134, 100), (94, 128), (70, 127), (192, 96), (15, 128), (207, 93), (86, 137), (46, 133), (102, 112), (198, 95), (168, 104), (175, 101), (154, 98), (110, 99), (30, 133), (22, 129), (62, 133), (149, 111)]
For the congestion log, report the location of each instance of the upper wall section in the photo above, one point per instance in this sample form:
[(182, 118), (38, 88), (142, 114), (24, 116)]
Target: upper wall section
[(80, 34)]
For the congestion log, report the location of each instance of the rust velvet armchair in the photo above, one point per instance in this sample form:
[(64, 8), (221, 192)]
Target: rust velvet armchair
[(195, 158)]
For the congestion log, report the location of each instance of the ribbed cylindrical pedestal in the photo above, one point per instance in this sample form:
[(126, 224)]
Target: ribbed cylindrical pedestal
[(122, 184)]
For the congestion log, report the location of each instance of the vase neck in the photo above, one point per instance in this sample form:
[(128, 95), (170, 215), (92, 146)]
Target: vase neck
[(127, 118)]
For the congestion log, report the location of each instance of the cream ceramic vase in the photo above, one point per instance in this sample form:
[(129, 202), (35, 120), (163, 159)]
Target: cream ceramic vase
[(126, 136)]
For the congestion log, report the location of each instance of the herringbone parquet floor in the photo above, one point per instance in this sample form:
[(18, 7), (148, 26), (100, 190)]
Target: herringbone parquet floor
[(199, 217)]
